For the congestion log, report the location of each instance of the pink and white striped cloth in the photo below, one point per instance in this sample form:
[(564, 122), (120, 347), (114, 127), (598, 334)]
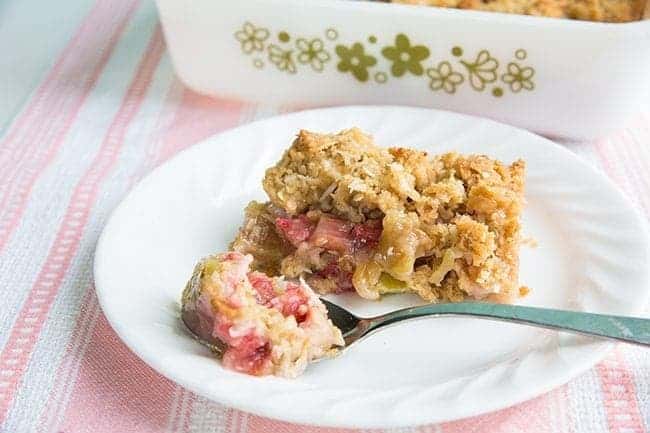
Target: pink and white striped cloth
[(107, 112)]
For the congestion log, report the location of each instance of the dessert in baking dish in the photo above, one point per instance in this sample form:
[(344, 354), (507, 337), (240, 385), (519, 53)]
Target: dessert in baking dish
[(347, 215), (260, 325), (588, 10)]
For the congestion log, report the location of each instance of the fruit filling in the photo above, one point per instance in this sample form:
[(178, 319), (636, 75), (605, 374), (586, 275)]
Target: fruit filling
[(260, 325)]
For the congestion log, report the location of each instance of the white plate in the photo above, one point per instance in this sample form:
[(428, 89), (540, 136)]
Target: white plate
[(593, 255)]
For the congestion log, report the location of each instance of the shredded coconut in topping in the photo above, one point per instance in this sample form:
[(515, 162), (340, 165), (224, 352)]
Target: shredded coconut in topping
[(447, 226), (587, 10)]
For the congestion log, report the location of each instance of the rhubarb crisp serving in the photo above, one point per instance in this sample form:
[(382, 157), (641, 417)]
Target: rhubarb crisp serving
[(346, 215)]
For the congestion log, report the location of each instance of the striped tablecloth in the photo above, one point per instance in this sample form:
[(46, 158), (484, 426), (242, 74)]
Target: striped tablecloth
[(106, 112)]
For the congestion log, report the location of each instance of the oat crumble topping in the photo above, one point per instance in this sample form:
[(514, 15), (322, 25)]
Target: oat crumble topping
[(587, 10), (346, 214)]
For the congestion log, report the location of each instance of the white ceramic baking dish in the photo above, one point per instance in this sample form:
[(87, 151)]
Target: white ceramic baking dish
[(557, 77)]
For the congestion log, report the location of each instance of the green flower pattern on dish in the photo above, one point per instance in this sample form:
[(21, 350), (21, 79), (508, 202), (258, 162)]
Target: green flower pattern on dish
[(445, 78), (355, 60), (372, 62), (481, 71), (405, 57), (519, 78), (251, 38), (282, 59), (312, 53)]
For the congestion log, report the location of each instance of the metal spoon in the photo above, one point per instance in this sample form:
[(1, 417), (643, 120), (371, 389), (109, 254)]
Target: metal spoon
[(627, 329)]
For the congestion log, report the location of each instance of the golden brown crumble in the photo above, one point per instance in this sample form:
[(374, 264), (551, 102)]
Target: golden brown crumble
[(449, 224), (587, 10), (259, 238)]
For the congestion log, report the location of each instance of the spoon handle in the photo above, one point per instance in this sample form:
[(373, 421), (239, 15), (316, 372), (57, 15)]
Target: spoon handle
[(628, 329)]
